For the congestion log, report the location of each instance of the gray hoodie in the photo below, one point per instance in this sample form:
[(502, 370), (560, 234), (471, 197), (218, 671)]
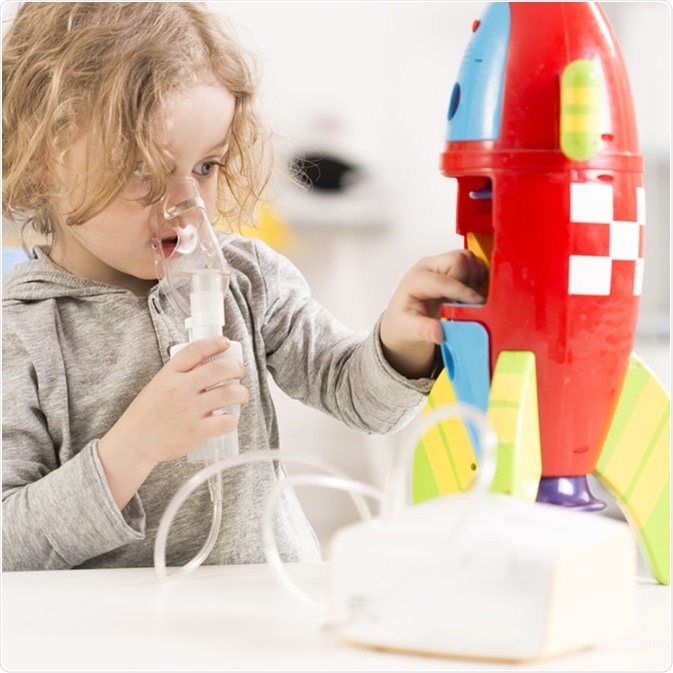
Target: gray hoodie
[(75, 355)]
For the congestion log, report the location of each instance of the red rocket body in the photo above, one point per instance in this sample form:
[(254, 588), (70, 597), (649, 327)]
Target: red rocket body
[(563, 238)]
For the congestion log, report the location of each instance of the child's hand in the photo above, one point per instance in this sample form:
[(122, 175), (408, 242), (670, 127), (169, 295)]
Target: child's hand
[(410, 328), (172, 415)]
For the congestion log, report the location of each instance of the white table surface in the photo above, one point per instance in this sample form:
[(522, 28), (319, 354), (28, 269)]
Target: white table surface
[(237, 618)]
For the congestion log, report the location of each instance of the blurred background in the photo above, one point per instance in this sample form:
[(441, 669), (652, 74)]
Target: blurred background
[(368, 84)]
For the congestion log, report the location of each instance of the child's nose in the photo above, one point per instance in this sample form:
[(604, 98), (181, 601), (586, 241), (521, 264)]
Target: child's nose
[(175, 210), (182, 194)]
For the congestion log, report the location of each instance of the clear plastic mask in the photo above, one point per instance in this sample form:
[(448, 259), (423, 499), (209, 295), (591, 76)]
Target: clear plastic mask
[(187, 252)]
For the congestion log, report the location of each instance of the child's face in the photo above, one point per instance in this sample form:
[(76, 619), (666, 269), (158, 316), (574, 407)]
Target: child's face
[(115, 246)]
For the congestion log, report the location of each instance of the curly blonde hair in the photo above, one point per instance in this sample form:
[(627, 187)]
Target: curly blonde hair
[(106, 69)]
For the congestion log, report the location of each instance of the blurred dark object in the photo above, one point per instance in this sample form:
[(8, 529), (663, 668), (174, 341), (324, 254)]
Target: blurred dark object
[(325, 173)]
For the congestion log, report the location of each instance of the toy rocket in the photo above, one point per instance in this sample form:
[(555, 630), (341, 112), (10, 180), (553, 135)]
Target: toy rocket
[(542, 141)]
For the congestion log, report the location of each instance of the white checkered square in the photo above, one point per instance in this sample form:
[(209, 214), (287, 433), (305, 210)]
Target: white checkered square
[(624, 240), (589, 275), (591, 203)]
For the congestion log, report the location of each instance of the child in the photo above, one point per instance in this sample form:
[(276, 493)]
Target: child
[(105, 104)]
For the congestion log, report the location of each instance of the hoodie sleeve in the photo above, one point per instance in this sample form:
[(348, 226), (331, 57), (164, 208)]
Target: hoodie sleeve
[(54, 515), (316, 359)]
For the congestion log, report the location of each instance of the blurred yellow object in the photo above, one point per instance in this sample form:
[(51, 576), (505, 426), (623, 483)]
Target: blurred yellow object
[(14, 237), (13, 251), (270, 228)]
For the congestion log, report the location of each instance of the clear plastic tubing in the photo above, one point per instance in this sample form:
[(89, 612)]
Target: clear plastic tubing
[(218, 468)]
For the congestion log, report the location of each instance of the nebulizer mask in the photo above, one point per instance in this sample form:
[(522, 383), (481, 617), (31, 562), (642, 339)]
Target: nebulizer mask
[(189, 259)]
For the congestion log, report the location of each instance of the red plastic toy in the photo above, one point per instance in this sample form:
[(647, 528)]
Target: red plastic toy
[(563, 236)]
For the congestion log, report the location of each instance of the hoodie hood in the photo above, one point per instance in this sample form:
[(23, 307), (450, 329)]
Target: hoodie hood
[(39, 278)]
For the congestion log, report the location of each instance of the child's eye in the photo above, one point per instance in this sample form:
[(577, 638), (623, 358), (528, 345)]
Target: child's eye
[(138, 173), (206, 168), (138, 185)]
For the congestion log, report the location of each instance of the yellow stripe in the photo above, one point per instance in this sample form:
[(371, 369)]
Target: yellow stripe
[(579, 123), (441, 393), (581, 95), (447, 445), (512, 411), (506, 389), (440, 465), (505, 422), (653, 480), (631, 446)]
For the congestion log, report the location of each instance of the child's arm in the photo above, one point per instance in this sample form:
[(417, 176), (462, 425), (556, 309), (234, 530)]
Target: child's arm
[(410, 328), (315, 359), (171, 416)]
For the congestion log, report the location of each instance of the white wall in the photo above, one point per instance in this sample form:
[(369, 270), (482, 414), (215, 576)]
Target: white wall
[(382, 72), (644, 33)]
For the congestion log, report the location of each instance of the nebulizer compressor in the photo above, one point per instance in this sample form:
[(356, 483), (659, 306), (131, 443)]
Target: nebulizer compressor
[(475, 574)]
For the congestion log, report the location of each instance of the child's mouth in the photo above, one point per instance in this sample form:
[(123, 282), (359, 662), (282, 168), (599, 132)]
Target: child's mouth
[(168, 244)]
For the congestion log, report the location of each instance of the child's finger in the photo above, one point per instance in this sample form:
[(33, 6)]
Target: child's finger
[(438, 286), (215, 372), (463, 265), (453, 289), (221, 397), (197, 352), (216, 425), (423, 328)]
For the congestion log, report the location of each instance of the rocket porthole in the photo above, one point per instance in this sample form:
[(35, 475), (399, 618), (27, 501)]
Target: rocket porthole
[(455, 100)]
